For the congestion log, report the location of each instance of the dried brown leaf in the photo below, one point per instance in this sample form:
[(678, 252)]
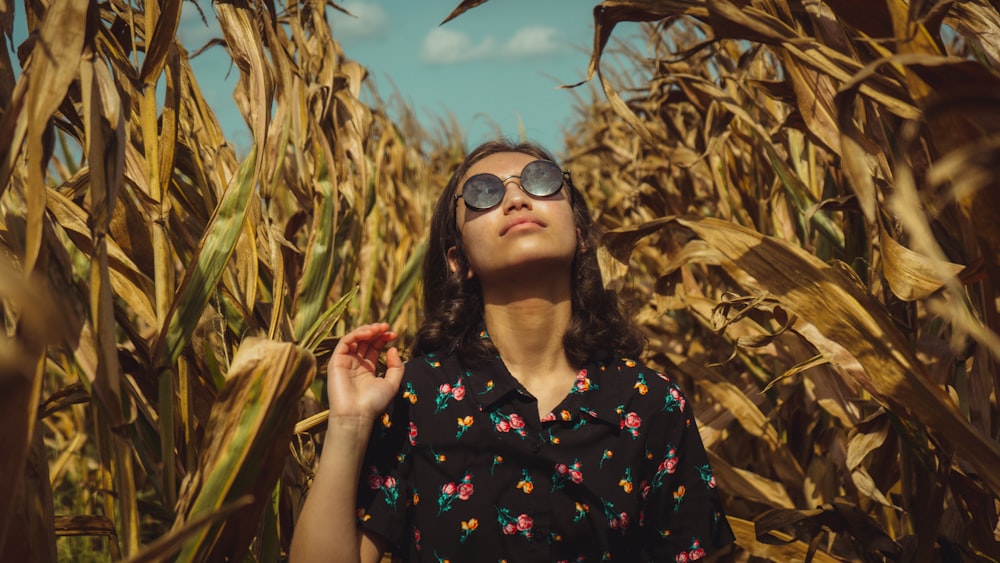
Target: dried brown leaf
[(911, 275), (844, 314)]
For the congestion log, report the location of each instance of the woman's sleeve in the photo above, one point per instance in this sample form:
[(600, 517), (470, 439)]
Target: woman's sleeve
[(683, 512), (384, 486)]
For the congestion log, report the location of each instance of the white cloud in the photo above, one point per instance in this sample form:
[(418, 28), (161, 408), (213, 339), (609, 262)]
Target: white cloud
[(534, 41), (445, 46), (369, 20)]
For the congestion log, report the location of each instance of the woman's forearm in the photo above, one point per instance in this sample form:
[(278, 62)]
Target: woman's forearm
[(327, 528)]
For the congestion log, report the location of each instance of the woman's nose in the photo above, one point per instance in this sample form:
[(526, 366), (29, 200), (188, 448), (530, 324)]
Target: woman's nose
[(514, 195)]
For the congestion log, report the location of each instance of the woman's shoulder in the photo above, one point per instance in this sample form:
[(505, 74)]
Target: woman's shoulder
[(432, 360), (642, 380), (628, 366), (432, 367)]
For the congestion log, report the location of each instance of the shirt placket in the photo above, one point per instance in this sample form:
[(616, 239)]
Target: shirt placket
[(534, 482)]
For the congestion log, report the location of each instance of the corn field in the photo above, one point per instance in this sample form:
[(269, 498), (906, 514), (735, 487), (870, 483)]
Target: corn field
[(801, 203)]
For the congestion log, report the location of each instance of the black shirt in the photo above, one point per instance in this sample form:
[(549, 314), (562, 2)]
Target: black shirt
[(462, 469)]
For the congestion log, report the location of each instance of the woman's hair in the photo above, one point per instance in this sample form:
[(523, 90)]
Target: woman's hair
[(453, 304)]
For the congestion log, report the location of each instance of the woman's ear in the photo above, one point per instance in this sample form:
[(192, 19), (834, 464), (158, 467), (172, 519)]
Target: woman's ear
[(455, 261)]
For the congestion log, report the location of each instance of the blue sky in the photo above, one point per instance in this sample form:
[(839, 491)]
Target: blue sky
[(493, 69), (494, 65)]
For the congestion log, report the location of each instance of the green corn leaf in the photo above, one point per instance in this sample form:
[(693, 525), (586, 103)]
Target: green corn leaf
[(247, 441), (211, 258)]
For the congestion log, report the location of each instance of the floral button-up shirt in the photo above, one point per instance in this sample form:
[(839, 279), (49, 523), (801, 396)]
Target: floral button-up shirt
[(462, 469)]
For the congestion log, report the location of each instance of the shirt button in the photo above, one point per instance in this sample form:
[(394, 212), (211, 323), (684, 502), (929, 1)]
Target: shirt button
[(536, 447)]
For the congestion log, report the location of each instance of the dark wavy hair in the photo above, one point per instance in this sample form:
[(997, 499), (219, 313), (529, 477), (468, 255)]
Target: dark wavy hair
[(453, 304)]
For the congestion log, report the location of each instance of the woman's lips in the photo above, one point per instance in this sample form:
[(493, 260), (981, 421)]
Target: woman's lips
[(520, 224)]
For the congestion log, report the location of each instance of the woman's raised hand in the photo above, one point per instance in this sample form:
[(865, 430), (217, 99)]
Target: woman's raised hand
[(353, 388), (327, 528)]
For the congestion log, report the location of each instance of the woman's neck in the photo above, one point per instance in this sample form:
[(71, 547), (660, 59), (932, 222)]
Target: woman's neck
[(527, 328)]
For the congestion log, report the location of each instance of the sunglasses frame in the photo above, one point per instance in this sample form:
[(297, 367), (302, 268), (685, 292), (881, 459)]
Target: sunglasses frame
[(503, 183)]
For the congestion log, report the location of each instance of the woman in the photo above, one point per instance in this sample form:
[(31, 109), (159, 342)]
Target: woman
[(523, 430)]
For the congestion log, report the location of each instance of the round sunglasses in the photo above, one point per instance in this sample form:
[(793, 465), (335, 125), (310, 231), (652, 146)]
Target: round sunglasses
[(539, 178)]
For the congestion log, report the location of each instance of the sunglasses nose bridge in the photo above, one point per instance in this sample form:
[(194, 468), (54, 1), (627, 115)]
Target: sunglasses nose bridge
[(517, 193), (506, 180)]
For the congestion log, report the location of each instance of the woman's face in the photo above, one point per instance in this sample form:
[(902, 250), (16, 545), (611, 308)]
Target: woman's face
[(522, 231)]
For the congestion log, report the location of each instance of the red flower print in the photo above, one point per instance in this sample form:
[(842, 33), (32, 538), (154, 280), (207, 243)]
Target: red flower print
[(507, 422), (511, 524), (572, 473), (644, 489), (465, 491), (450, 491), (696, 551), (667, 466), (676, 394), (674, 401), (682, 557), (384, 483), (448, 391), (413, 434), (616, 520), (631, 420), (582, 382), (516, 421)]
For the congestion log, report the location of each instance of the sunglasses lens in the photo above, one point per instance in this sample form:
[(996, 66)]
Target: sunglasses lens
[(483, 191), (541, 178)]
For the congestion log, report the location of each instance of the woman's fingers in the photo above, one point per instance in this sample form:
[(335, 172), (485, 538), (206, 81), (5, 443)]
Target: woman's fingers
[(353, 385), (364, 333), (377, 344), (360, 348), (394, 367), (369, 350)]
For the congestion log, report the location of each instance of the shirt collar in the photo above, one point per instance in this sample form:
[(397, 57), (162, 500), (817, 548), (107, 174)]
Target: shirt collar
[(490, 382), (598, 392), (602, 397)]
